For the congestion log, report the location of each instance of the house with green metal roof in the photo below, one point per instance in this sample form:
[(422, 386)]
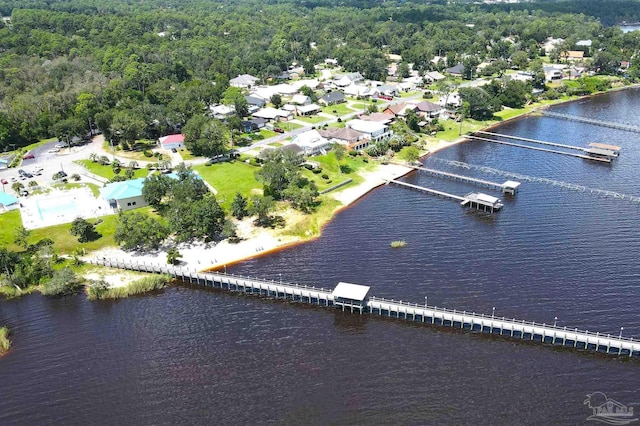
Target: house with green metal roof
[(126, 195), (8, 202)]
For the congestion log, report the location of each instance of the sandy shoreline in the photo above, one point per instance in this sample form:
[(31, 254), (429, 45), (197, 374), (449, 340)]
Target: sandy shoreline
[(256, 241)]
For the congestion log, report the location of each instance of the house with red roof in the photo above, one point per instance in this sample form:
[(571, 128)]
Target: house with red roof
[(172, 141)]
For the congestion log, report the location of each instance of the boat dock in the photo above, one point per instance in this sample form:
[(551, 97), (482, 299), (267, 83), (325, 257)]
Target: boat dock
[(475, 200), (537, 148), (537, 141), (601, 123), (355, 298), (507, 187)]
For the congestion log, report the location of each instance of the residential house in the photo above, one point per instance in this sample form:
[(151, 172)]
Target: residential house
[(551, 43), (310, 83), (388, 90), (356, 90), (553, 72), (347, 79), (371, 131), (126, 195), (432, 76), (308, 109), (255, 101), (429, 110), (311, 142), (245, 81), (378, 117), (344, 136), (584, 43), (222, 112), (172, 141), (572, 55), (300, 100), (332, 98), (456, 70), (400, 109), (450, 100), (253, 125), (272, 114)]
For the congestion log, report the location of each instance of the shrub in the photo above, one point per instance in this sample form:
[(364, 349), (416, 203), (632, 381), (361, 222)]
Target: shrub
[(63, 282), (143, 285), (353, 153), (317, 171), (75, 177), (325, 176), (147, 153)]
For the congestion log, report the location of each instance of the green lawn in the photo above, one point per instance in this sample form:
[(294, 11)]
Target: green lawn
[(409, 94), (107, 172), (266, 133), (136, 152), (340, 110), (186, 154), (65, 243), (329, 166), (288, 126), (314, 119), (229, 178), (72, 185)]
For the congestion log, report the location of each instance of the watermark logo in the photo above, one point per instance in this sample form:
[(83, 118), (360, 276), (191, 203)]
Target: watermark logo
[(609, 411)]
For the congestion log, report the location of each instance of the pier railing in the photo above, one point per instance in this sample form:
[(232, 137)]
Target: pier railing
[(504, 320), (402, 309)]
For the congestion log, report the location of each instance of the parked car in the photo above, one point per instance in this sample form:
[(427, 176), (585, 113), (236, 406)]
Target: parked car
[(24, 192), (174, 150), (60, 145), (28, 156), (4, 181), (278, 130), (53, 150)]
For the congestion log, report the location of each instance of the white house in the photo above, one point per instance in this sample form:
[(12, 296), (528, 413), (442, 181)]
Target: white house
[(311, 142), (371, 131), (172, 141), (243, 81), (273, 114), (221, 112)]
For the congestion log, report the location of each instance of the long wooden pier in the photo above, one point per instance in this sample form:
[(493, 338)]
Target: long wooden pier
[(537, 148), (507, 186), (537, 141), (602, 123), (428, 190), (472, 321)]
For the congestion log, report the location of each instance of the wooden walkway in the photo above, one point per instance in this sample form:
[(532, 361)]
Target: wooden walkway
[(610, 124), (428, 190), (480, 182), (536, 148), (537, 141), (512, 328)]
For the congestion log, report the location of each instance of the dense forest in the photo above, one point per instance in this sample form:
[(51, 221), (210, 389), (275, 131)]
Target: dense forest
[(144, 68)]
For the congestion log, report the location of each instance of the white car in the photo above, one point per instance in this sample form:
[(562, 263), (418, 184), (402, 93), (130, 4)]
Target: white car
[(60, 145), (52, 150)]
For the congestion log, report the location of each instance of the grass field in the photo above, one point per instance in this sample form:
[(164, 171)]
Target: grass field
[(73, 185), (314, 119), (340, 110), (229, 178), (268, 133), (329, 166), (107, 172)]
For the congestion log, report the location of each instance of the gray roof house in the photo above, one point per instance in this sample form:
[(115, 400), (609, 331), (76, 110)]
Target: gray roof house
[(255, 100), (332, 98), (457, 70)]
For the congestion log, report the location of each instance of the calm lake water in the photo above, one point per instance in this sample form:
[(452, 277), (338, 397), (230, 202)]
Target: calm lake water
[(189, 355)]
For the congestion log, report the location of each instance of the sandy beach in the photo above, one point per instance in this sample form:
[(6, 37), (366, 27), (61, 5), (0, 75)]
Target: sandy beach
[(256, 241)]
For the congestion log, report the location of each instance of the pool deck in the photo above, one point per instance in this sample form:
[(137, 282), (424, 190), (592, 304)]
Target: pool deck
[(57, 207)]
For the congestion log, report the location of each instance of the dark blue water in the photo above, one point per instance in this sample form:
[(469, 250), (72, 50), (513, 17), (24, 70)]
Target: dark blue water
[(189, 355)]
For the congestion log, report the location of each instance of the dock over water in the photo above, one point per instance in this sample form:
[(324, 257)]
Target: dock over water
[(601, 123), (508, 187), (355, 298), (475, 200), (537, 148)]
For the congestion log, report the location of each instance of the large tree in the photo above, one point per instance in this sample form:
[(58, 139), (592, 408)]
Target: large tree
[(137, 231), (206, 137)]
